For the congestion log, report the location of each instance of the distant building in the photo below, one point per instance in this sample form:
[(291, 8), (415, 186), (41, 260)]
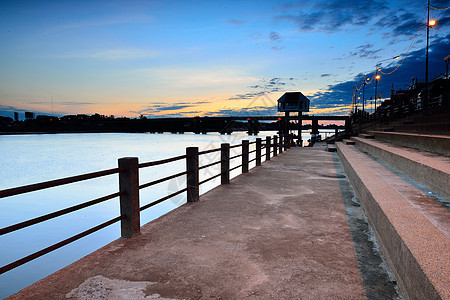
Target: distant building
[(406, 102), (29, 115), (293, 102), (16, 116)]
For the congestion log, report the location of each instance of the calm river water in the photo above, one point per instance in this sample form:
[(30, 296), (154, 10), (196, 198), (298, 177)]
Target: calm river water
[(27, 159)]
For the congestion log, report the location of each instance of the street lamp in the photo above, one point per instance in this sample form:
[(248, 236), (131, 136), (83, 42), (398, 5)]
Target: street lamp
[(430, 23), (363, 101), (377, 77), (446, 59)]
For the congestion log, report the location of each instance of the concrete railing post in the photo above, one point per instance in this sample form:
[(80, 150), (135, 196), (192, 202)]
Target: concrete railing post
[(268, 147), (225, 163), (129, 200), (258, 151), (245, 150), (193, 193), (281, 144), (275, 145)]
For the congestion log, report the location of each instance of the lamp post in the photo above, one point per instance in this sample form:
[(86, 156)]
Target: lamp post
[(430, 23), (377, 77), (363, 101), (446, 59)]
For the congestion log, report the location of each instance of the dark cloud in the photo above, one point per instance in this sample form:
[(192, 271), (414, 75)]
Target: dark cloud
[(325, 75), (400, 22), (439, 3), (394, 21), (266, 86), (330, 15), (166, 108), (247, 111), (247, 96), (412, 66), (274, 36), (444, 22), (271, 41), (365, 51)]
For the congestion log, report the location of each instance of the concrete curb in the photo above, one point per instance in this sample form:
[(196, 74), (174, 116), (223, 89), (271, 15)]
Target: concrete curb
[(416, 251)]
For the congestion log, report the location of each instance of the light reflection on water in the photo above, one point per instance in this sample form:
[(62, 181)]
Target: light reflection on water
[(27, 159)]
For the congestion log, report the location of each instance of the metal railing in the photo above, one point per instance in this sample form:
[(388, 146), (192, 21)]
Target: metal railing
[(129, 188)]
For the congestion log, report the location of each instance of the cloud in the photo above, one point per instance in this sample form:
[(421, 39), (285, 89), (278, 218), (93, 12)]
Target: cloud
[(246, 111), (325, 75), (274, 36), (413, 66), (395, 21), (365, 51), (271, 41), (168, 109), (330, 16), (113, 54), (400, 22), (247, 96), (266, 86), (236, 22)]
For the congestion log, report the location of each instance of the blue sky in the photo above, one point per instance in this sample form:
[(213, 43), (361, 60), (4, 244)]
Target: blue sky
[(187, 58)]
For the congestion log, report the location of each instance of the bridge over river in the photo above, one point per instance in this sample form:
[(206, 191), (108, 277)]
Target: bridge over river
[(252, 124)]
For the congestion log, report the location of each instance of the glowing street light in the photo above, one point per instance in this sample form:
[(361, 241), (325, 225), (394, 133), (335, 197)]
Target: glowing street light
[(430, 23), (377, 77)]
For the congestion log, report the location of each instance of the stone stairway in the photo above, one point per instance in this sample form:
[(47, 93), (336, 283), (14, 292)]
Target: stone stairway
[(437, 123), (402, 180)]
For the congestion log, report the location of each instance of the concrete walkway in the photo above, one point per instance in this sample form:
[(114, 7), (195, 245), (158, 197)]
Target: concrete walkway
[(277, 232)]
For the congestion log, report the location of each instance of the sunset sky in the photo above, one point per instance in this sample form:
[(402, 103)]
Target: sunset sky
[(188, 58)]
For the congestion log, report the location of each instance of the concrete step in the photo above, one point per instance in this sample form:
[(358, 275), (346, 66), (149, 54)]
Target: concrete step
[(425, 128), (430, 169), (366, 135), (420, 118), (411, 228), (431, 118), (348, 142), (331, 148), (439, 144)]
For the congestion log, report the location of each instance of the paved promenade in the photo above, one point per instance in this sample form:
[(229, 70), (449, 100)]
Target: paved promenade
[(278, 232)]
